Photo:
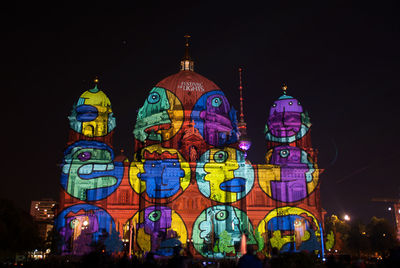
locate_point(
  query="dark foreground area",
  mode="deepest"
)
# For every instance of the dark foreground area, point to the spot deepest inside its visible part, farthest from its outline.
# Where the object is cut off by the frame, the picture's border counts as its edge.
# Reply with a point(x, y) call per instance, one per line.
point(295, 260)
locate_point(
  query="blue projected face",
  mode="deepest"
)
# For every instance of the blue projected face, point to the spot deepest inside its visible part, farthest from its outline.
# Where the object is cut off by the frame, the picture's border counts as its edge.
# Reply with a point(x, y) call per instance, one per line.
point(86, 113)
point(162, 177)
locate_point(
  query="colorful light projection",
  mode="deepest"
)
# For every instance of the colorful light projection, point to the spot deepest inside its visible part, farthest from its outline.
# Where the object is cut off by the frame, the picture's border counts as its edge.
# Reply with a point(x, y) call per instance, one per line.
point(289, 229)
point(156, 229)
point(192, 119)
point(286, 122)
point(160, 118)
point(223, 175)
point(89, 172)
point(162, 175)
point(215, 119)
point(82, 225)
point(218, 231)
point(92, 115)
point(293, 177)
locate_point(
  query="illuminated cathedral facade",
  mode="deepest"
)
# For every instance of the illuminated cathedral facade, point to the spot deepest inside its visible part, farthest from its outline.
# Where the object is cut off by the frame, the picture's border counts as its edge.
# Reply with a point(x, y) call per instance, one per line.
point(189, 183)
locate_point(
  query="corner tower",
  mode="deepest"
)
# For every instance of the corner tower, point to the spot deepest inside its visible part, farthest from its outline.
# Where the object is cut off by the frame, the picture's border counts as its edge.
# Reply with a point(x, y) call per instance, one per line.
point(89, 176)
point(291, 178)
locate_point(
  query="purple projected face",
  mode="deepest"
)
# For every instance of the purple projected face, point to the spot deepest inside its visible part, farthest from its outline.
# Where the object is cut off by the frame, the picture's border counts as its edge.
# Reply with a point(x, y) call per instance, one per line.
point(285, 117)
point(296, 171)
point(80, 227)
point(216, 117)
point(286, 155)
point(157, 221)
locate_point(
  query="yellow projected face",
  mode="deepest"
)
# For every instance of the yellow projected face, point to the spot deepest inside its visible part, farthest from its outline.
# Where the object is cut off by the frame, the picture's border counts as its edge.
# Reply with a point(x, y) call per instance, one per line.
point(223, 175)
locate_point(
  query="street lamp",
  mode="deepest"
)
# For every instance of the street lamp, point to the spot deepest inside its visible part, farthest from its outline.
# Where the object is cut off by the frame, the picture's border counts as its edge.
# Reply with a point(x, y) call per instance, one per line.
point(346, 217)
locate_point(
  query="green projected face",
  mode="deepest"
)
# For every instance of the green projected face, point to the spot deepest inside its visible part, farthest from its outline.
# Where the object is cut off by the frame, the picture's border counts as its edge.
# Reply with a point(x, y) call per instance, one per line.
point(89, 172)
point(219, 230)
point(160, 118)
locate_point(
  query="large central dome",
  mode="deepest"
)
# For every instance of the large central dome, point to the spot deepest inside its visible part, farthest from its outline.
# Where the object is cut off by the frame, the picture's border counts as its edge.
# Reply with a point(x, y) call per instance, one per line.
point(188, 86)
point(180, 99)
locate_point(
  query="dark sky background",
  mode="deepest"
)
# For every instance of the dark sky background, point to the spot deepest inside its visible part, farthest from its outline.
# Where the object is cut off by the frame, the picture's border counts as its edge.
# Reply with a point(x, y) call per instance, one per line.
point(339, 58)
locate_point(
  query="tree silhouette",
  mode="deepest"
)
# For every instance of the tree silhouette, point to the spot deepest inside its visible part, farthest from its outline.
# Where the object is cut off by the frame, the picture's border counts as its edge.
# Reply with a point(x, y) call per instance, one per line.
point(18, 233)
point(382, 235)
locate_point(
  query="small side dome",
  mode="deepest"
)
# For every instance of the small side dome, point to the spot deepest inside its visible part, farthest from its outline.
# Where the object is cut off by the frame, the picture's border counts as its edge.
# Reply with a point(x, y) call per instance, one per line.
point(95, 97)
point(287, 122)
point(92, 115)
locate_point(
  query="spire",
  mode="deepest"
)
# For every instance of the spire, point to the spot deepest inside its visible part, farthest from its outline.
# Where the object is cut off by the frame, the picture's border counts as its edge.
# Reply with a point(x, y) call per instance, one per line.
point(95, 89)
point(244, 141)
point(284, 88)
point(241, 118)
point(187, 56)
point(186, 63)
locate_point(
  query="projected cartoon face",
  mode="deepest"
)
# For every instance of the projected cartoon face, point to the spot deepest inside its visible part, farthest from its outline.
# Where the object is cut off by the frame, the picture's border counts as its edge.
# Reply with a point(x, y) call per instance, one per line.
point(219, 230)
point(296, 177)
point(158, 229)
point(293, 230)
point(80, 226)
point(88, 171)
point(160, 118)
point(214, 119)
point(223, 175)
point(286, 122)
point(92, 116)
point(162, 174)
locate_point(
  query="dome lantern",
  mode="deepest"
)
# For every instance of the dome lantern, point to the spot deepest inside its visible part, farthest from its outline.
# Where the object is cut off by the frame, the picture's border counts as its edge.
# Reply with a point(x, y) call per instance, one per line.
point(186, 63)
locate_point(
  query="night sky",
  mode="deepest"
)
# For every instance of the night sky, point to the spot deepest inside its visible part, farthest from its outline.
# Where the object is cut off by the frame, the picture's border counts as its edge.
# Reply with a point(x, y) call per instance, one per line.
point(340, 59)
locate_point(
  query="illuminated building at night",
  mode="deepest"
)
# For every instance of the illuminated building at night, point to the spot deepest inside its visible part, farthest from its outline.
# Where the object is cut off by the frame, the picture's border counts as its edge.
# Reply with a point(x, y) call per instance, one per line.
point(189, 182)
point(42, 213)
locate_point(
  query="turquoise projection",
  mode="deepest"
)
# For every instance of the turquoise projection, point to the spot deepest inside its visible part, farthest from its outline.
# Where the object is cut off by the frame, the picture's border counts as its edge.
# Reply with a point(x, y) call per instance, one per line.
point(89, 172)
point(219, 230)
point(160, 118)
